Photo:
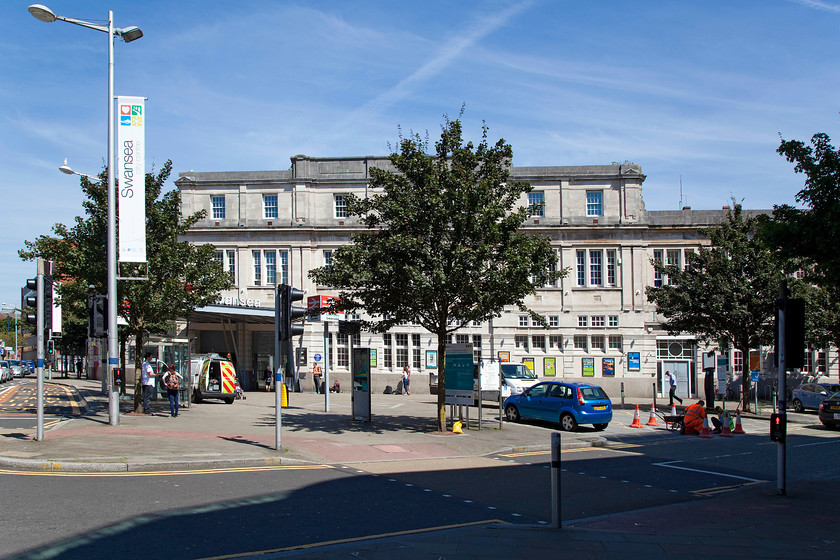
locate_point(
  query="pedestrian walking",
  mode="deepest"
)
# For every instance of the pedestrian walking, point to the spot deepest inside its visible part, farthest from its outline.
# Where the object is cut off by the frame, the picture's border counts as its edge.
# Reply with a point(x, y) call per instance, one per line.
point(147, 381)
point(406, 378)
point(172, 380)
point(316, 376)
point(672, 392)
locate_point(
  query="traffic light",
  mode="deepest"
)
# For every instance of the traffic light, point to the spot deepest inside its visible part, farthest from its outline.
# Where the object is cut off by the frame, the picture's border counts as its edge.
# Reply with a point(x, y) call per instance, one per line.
point(97, 315)
point(50, 347)
point(778, 427)
point(794, 310)
point(286, 312)
point(31, 300)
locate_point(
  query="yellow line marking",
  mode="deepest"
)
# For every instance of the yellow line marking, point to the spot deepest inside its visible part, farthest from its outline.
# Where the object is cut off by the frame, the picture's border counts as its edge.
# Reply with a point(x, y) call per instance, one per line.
point(525, 454)
point(54, 469)
point(713, 491)
point(354, 539)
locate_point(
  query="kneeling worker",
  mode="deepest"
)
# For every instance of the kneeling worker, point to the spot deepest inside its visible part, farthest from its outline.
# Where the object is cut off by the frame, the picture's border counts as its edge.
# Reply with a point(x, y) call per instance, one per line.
point(694, 415)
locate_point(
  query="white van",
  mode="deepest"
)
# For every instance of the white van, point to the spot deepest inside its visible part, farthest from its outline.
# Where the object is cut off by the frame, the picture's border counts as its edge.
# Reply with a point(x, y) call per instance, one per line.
point(213, 377)
point(517, 378)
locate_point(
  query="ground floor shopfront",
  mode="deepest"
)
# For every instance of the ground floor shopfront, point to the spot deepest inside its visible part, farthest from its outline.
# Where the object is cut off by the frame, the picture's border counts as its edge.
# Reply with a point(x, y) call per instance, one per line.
point(637, 370)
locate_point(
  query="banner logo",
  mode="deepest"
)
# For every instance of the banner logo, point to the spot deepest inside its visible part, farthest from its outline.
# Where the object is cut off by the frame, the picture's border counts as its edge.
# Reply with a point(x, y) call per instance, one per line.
point(131, 115)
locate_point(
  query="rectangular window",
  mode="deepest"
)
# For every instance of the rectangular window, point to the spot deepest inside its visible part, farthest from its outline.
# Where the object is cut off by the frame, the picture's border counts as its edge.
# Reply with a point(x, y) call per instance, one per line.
point(402, 357)
point(597, 320)
point(738, 362)
point(594, 203)
point(598, 343)
point(218, 203)
point(523, 320)
point(536, 203)
point(328, 259)
point(674, 259)
point(595, 262)
point(284, 267)
point(231, 263)
point(553, 320)
point(340, 206)
point(657, 275)
point(270, 206)
point(257, 267)
point(270, 268)
point(581, 267)
point(476, 347)
point(615, 342)
point(611, 267)
point(538, 342)
point(521, 342)
point(555, 341)
point(342, 351)
point(220, 257)
point(583, 320)
point(580, 342)
point(613, 320)
point(387, 353)
point(462, 339)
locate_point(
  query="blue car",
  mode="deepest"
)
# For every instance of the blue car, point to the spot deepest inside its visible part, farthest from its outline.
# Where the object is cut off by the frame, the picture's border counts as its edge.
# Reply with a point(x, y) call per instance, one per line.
point(569, 404)
point(810, 395)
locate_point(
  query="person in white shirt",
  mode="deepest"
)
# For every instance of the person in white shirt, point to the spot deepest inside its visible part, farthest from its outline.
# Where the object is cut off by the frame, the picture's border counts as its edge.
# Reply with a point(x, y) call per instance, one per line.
point(672, 393)
point(147, 375)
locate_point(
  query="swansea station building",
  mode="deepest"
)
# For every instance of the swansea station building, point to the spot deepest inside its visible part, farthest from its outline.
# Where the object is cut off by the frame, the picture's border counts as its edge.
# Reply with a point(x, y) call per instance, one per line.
point(273, 227)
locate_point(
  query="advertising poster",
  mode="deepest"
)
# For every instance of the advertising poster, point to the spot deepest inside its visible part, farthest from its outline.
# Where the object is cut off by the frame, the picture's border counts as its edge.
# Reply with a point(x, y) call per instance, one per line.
point(373, 357)
point(431, 359)
point(459, 374)
point(588, 367)
point(550, 367)
point(634, 362)
point(504, 356)
point(529, 363)
point(608, 367)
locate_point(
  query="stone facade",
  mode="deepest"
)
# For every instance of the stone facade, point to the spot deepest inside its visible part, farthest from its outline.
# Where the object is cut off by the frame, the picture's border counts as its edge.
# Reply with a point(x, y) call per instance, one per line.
point(272, 227)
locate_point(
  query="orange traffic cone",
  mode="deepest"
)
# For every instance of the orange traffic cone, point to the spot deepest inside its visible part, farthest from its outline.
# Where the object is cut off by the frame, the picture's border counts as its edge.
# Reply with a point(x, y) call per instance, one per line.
point(636, 422)
point(738, 428)
point(705, 433)
point(673, 413)
point(652, 421)
point(725, 431)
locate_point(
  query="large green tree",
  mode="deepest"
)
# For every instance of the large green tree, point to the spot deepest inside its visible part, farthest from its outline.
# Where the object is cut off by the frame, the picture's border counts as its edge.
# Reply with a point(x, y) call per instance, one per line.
point(725, 295)
point(811, 234)
point(177, 278)
point(444, 246)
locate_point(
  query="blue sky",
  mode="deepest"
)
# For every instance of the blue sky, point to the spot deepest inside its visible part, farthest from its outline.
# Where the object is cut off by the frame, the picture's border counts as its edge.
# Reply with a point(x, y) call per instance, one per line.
point(697, 92)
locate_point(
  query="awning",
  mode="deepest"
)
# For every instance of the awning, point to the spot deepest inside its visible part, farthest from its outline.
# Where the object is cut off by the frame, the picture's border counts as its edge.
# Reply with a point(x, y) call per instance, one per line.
point(219, 313)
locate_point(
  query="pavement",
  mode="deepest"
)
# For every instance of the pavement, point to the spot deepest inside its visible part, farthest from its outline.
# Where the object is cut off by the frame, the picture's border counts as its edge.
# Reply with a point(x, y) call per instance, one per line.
point(753, 521)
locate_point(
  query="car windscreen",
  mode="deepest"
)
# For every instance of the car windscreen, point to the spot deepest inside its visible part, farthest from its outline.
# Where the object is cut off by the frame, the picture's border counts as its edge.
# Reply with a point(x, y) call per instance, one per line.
point(593, 393)
point(516, 371)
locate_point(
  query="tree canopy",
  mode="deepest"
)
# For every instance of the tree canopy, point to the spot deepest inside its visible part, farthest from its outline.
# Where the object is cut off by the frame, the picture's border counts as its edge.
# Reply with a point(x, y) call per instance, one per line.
point(180, 276)
point(443, 246)
point(726, 293)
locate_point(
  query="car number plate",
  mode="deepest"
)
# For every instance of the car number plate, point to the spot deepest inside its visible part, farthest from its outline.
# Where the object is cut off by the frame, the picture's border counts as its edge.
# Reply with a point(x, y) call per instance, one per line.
point(599, 407)
point(837, 415)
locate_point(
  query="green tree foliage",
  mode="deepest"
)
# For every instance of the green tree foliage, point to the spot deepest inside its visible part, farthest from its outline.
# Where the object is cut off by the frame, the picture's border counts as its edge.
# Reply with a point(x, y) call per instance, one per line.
point(444, 246)
point(811, 235)
point(726, 293)
point(180, 276)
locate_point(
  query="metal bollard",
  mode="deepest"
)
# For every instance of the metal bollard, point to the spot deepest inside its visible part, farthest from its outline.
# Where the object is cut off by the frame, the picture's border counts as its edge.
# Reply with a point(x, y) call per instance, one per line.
point(556, 521)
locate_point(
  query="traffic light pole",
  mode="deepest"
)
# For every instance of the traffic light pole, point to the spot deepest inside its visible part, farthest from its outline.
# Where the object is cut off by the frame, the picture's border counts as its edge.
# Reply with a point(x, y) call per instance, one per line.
point(781, 453)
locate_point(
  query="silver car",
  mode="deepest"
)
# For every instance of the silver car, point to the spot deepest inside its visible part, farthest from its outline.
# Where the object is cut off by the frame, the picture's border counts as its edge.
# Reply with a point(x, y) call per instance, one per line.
point(17, 368)
point(5, 371)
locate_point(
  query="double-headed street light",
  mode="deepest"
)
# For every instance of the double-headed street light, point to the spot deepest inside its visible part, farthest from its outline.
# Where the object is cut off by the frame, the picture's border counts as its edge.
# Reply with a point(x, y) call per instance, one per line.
point(128, 34)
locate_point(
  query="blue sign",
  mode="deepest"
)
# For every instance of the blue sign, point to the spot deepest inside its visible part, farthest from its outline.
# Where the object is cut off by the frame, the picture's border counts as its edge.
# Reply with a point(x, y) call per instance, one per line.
point(754, 376)
point(634, 362)
point(317, 357)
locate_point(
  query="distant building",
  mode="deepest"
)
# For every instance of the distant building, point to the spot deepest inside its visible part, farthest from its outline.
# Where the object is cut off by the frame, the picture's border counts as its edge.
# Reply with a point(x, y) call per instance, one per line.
point(272, 227)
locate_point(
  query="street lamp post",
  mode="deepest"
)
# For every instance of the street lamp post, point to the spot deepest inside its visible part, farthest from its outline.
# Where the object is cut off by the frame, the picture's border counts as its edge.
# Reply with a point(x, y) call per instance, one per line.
point(128, 34)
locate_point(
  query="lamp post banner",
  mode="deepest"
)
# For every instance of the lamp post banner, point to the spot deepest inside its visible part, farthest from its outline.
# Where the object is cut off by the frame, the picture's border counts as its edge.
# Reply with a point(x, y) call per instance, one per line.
point(131, 174)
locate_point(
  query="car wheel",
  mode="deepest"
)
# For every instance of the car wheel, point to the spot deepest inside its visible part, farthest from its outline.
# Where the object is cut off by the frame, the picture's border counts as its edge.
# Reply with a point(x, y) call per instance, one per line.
point(797, 405)
point(197, 397)
point(600, 427)
point(568, 422)
point(511, 413)
point(229, 400)
point(829, 426)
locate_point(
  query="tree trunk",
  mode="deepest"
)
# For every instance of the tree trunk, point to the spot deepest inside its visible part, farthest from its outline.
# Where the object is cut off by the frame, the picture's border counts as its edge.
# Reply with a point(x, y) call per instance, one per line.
point(441, 395)
point(138, 362)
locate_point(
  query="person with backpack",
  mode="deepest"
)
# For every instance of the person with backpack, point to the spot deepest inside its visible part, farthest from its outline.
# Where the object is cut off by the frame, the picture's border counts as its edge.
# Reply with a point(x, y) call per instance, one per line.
point(172, 380)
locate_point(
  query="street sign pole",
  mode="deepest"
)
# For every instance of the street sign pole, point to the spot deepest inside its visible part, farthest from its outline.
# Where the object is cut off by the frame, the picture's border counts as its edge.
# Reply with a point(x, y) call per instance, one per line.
point(780, 449)
point(39, 431)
